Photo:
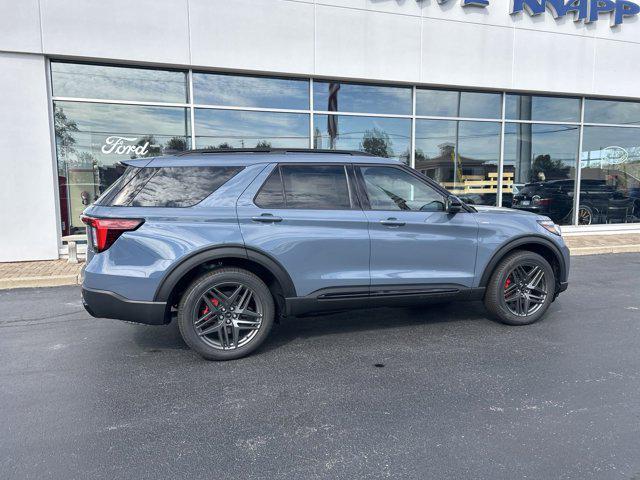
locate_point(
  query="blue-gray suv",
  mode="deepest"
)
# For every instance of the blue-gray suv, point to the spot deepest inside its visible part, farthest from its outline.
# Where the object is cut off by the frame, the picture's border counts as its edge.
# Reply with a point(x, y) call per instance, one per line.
point(231, 241)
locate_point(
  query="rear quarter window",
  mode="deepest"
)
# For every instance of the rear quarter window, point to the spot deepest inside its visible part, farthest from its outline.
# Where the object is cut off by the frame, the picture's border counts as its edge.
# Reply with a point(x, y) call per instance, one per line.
point(171, 186)
point(107, 196)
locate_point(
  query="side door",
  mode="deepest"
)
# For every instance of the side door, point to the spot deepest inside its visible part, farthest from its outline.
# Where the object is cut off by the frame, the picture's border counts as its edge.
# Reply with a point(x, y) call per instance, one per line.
point(414, 240)
point(308, 217)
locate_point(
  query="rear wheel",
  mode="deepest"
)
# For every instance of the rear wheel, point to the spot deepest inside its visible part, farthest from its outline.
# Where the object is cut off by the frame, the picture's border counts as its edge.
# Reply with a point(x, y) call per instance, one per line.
point(226, 314)
point(521, 288)
point(585, 215)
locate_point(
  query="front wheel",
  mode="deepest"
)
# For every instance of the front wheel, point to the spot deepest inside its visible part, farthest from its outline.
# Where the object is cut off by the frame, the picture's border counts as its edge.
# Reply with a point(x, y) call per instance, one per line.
point(226, 314)
point(521, 288)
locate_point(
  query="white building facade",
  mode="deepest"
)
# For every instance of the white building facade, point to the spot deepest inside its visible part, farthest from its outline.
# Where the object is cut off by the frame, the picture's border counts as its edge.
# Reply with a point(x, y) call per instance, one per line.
point(528, 104)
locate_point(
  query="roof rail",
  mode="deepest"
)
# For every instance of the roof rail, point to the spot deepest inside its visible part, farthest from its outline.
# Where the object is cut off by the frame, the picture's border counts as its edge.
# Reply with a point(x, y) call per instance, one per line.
point(272, 150)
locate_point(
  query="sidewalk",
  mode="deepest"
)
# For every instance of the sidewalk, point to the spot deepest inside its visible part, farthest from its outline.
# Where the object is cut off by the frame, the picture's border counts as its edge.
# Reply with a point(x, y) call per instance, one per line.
point(60, 272)
point(581, 244)
point(50, 273)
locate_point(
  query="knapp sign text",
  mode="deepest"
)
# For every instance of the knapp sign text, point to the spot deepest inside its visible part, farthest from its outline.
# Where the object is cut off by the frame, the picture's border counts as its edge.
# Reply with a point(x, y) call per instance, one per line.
point(586, 11)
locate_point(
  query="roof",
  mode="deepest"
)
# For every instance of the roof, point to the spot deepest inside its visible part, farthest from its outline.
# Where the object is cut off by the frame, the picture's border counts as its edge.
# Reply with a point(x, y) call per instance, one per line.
point(255, 156)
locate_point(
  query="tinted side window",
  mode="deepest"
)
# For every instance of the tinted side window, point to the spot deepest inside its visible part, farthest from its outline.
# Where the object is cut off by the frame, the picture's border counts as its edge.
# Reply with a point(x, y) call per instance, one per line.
point(271, 194)
point(316, 187)
point(172, 186)
point(125, 177)
point(132, 187)
point(182, 186)
point(390, 188)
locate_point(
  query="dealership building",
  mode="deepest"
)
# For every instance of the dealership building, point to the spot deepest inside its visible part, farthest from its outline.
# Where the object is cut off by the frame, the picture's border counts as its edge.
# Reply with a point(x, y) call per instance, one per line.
point(527, 104)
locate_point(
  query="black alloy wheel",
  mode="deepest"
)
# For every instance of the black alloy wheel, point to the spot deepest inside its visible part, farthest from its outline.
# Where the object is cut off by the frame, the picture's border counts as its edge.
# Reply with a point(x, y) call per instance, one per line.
point(521, 288)
point(226, 314)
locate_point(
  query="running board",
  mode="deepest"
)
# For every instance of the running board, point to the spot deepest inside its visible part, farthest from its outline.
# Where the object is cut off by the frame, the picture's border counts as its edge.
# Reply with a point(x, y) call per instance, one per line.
point(338, 299)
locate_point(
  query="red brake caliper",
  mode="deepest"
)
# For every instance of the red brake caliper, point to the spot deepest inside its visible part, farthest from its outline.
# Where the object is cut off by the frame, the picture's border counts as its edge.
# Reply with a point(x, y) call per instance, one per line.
point(507, 283)
point(206, 307)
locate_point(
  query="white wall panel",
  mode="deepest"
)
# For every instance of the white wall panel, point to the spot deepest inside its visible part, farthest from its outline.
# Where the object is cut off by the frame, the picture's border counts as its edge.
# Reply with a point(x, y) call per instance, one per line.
point(398, 7)
point(495, 14)
point(20, 26)
point(629, 31)
point(616, 68)
point(252, 34)
point(466, 54)
point(365, 44)
point(28, 219)
point(140, 30)
point(360, 39)
point(552, 62)
point(345, 3)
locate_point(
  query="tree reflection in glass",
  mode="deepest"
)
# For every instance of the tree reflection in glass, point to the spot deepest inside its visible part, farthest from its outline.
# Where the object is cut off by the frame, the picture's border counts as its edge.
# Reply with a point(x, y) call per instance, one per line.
point(385, 137)
point(460, 155)
point(92, 138)
point(223, 129)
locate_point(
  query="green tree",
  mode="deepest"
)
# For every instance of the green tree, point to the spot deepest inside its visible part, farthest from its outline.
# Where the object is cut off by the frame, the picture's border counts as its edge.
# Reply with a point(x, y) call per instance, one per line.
point(64, 129)
point(263, 144)
point(377, 142)
point(176, 144)
point(153, 150)
point(546, 168)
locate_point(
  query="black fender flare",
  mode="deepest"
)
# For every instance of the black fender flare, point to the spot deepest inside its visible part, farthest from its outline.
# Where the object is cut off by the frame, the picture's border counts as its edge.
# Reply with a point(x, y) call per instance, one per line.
point(207, 254)
point(513, 244)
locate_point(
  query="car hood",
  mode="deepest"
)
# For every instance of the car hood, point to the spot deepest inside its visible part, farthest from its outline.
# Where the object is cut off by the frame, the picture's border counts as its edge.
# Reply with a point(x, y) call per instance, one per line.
point(505, 211)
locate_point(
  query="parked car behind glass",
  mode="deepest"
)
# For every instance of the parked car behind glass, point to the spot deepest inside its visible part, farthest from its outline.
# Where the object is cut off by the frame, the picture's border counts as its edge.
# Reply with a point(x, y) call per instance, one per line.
point(599, 202)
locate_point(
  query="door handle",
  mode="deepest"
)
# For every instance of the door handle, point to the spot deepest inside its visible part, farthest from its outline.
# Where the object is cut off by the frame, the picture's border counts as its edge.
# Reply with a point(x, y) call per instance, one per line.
point(392, 222)
point(267, 218)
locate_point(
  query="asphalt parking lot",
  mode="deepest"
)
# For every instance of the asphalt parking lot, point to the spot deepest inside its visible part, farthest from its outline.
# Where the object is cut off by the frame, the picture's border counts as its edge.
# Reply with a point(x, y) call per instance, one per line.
point(438, 392)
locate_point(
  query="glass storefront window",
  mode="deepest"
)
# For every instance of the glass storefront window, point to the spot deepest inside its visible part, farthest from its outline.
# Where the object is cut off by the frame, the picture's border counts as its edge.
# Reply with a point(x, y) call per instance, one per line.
point(237, 129)
point(355, 97)
point(250, 91)
point(455, 103)
point(107, 82)
point(384, 137)
point(462, 156)
point(541, 108)
point(105, 124)
point(611, 111)
point(539, 169)
point(92, 138)
point(610, 175)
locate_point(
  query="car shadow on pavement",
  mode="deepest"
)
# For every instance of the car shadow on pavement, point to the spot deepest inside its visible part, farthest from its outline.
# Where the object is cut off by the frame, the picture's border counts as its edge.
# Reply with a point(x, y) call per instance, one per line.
point(291, 329)
point(162, 337)
point(167, 337)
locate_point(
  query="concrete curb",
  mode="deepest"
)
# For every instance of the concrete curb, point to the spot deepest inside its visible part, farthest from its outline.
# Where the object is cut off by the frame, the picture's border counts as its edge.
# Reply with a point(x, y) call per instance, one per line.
point(34, 282)
point(602, 249)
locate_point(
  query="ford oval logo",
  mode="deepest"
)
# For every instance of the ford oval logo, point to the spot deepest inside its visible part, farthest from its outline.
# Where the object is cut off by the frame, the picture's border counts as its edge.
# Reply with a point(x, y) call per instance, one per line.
point(615, 155)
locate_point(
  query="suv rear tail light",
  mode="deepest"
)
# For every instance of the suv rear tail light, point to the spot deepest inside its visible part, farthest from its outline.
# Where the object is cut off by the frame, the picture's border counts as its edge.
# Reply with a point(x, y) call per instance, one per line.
point(544, 202)
point(105, 231)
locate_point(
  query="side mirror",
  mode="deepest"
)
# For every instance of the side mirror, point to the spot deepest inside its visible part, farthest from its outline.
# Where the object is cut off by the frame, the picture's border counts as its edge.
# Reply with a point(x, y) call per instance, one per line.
point(454, 204)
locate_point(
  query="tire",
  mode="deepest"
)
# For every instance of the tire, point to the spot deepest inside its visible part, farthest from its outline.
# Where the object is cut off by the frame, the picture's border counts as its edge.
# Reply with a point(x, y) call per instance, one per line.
point(585, 215)
point(233, 333)
point(504, 277)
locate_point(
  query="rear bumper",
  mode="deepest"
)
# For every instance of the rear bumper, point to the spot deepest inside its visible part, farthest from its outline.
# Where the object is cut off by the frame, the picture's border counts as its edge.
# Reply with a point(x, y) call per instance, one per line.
point(104, 304)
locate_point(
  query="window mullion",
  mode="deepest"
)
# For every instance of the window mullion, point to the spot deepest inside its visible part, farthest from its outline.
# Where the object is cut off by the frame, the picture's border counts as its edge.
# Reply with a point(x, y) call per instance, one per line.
point(501, 157)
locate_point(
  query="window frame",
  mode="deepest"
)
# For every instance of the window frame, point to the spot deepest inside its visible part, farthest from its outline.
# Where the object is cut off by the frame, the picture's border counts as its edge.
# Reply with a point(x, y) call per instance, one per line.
point(428, 182)
point(354, 199)
point(204, 104)
point(119, 100)
point(533, 96)
point(310, 110)
point(315, 108)
point(459, 92)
